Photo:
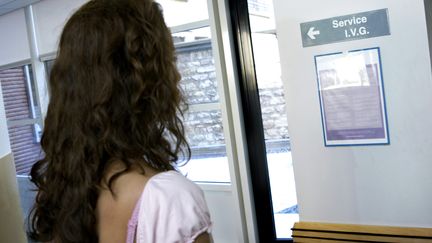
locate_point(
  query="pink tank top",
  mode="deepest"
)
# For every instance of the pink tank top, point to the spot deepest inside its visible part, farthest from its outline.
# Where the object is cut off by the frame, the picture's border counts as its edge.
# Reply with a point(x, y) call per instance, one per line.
point(170, 209)
point(133, 223)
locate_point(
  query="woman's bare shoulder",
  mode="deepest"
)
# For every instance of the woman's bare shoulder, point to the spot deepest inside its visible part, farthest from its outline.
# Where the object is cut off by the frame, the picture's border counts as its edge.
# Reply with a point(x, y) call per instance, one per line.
point(114, 208)
point(127, 188)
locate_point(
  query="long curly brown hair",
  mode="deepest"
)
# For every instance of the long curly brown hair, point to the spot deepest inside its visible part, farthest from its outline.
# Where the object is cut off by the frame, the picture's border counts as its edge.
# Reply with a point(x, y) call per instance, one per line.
point(114, 97)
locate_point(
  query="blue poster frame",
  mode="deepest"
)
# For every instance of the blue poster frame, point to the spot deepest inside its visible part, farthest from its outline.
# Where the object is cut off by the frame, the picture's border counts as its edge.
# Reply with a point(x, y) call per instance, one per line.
point(382, 94)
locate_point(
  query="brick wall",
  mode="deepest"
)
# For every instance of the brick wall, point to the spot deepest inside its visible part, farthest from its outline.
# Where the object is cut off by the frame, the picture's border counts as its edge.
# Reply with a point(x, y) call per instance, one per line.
point(25, 148)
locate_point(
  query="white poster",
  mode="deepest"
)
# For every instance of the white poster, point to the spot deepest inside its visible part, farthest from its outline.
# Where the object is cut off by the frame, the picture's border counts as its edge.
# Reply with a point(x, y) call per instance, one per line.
point(352, 98)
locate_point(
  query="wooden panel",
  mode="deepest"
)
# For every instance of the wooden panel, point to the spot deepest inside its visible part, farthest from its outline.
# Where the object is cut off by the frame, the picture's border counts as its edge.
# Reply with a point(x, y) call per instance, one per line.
point(11, 218)
point(324, 232)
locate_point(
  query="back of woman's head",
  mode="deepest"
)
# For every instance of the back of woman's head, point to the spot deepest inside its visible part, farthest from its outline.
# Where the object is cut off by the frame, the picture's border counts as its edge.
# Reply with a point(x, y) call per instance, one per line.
point(114, 98)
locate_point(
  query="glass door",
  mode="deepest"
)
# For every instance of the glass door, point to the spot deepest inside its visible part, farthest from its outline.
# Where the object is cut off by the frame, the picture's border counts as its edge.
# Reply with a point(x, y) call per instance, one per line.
point(274, 116)
point(266, 124)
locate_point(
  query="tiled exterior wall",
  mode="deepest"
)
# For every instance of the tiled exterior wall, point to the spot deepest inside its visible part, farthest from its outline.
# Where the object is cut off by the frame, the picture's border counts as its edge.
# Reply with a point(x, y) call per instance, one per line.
point(200, 86)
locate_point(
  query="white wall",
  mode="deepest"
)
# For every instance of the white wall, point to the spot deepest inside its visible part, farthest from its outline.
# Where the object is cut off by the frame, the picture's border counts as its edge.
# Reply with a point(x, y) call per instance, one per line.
point(220, 201)
point(7, 6)
point(50, 17)
point(376, 185)
point(4, 136)
point(14, 44)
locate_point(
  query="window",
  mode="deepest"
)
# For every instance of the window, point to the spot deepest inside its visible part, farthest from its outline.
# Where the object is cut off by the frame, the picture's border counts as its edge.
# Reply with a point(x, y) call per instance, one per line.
point(203, 119)
point(23, 116)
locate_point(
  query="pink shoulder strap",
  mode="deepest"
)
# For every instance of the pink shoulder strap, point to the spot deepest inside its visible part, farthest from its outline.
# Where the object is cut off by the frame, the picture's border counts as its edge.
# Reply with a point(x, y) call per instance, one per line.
point(133, 222)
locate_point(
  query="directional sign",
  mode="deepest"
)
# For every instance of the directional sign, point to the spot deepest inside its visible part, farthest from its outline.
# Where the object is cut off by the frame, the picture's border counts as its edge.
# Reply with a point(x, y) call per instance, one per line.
point(345, 28)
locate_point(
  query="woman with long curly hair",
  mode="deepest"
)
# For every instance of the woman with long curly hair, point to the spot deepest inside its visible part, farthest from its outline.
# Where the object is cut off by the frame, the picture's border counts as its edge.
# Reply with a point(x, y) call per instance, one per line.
point(113, 134)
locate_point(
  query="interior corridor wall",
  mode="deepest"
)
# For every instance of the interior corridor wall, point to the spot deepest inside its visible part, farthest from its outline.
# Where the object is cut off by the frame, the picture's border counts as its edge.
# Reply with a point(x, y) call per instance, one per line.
point(50, 16)
point(374, 185)
point(14, 44)
point(5, 148)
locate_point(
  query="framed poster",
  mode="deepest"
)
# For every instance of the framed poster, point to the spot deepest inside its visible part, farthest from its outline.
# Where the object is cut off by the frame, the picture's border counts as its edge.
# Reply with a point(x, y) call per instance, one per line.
point(352, 98)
